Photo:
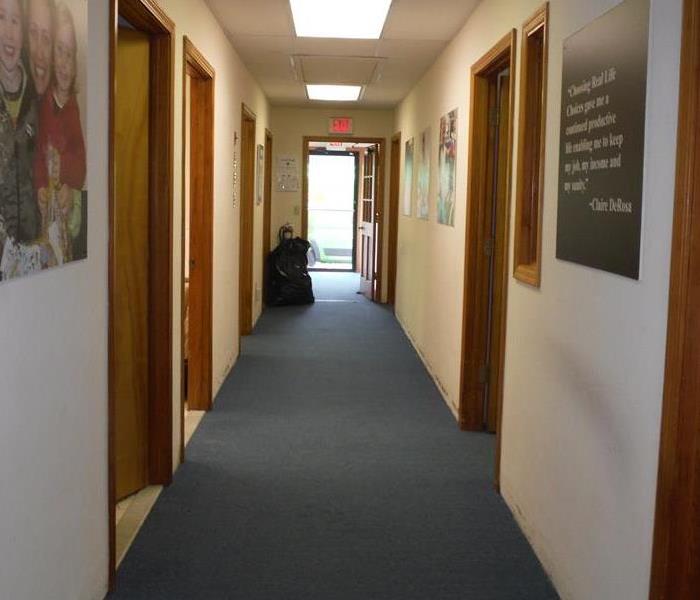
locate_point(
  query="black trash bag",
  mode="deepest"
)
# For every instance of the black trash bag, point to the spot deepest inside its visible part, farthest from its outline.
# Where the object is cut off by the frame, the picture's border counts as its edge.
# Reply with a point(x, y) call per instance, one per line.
point(289, 281)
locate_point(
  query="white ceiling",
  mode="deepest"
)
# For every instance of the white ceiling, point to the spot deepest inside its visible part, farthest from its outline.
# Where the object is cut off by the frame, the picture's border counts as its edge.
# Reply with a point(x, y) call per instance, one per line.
point(416, 31)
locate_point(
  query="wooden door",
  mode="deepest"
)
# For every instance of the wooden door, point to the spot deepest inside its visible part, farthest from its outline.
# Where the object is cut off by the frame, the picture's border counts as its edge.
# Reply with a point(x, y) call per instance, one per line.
point(247, 215)
point(131, 277)
point(368, 222)
point(496, 246)
point(200, 267)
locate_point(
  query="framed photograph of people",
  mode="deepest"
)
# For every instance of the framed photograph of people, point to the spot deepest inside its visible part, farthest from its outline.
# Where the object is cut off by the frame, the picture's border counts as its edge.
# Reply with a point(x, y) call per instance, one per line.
point(43, 172)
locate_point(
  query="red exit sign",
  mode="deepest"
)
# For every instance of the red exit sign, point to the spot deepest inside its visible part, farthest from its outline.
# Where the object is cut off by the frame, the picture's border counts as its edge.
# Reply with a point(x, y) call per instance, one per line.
point(340, 125)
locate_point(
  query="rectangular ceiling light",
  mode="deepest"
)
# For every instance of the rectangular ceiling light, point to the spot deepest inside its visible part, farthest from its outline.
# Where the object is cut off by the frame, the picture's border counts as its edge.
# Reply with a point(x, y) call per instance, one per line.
point(354, 19)
point(333, 92)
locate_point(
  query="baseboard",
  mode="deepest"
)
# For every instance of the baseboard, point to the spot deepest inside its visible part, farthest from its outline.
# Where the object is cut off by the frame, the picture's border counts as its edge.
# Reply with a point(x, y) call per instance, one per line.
point(428, 367)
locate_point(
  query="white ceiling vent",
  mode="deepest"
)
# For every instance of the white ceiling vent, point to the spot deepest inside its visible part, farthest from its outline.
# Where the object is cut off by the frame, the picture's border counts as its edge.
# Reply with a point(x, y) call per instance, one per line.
point(338, 70)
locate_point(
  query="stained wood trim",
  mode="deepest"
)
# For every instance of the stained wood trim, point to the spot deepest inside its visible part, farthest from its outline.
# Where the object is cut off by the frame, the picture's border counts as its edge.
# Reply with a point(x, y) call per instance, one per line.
point(378, 205)
point(195, 60)
point(111, 285)
point(379, 223)
point(471, 405)
point(527, 263)
point(675, 573)
point(393, 225)
point(267, 206)
point(247, 112)
point(196, 66)
point(146, 16)
point(247, 221)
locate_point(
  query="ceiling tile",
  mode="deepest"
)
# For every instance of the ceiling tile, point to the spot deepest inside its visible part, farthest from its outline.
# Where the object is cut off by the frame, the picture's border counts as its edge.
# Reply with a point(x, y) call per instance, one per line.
point(268, 17)
point(427, 20)
point(328, 69)
point(416, 32)
point(335, 47)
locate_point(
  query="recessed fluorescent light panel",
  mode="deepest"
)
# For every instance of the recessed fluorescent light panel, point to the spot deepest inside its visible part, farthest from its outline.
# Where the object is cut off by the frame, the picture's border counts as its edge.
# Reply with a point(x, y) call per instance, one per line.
point(333, 92)
point(353, 19)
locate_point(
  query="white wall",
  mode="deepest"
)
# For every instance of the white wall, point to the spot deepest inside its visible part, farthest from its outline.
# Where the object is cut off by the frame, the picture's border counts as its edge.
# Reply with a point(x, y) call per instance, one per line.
point(290, 125)
point(585, 353)
point(53, 369)
point(234, 85)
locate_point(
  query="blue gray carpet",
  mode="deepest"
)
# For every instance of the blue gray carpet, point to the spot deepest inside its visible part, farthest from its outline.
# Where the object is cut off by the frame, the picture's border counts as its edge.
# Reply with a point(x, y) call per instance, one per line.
point(331, 469)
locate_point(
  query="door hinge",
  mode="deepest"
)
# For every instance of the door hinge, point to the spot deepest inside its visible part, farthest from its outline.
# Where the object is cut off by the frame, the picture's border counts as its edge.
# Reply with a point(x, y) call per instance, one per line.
point(489, 245)
point(484, 374)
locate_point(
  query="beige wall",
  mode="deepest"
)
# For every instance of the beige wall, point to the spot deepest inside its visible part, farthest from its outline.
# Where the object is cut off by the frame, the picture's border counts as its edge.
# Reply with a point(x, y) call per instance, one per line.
point(234, 85)
point(53, 355)
point(290, 125)
point(585, 353)
point(53, 394)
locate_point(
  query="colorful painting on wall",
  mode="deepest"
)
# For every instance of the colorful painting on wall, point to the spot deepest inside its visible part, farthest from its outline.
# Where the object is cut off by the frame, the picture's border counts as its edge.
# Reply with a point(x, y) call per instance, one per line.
point(408, 179)
point(423, 187)
point(447, 168)
point(43, 106)
point(260, 175)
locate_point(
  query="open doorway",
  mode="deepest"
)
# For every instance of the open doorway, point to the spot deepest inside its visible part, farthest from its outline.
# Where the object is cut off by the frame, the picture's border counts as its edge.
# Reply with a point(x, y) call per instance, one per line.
point(197, 239)
point(341, 211)
point(140, 264)
point(486, 257)
point(332, 207)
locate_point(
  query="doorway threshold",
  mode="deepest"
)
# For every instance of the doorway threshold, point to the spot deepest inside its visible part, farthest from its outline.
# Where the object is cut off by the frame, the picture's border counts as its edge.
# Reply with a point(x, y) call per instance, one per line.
point(131, 512)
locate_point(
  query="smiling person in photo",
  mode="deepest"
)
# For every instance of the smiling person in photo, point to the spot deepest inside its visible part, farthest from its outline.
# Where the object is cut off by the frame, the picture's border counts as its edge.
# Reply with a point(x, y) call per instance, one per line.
point(40, 18)
point(59, 166)
point(18, 128)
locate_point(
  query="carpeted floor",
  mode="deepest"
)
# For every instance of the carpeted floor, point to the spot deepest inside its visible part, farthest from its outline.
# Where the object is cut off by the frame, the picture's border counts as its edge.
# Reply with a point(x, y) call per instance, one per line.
point(331, 469)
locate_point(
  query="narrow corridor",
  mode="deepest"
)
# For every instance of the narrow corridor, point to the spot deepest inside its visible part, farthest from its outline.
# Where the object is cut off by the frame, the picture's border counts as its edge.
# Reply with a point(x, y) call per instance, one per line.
point(330, 468)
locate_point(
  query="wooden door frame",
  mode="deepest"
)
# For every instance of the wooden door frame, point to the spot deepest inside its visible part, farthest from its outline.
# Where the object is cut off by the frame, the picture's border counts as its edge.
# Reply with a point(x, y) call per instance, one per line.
point(148, 17)
point(378, 207)
point(393, 220)
point(267, 206)
point(247, 229)
point(470, 402)
point(194, 61)
point(674, 572)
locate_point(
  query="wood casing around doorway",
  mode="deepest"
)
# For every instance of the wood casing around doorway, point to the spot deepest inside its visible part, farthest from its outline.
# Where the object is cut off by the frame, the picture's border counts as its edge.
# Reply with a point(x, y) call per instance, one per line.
point(378, 206)
point(502, 55)
point(146, 16)
point(675, 573)
point(393, 220)
point(198, 132)
point(247, 203)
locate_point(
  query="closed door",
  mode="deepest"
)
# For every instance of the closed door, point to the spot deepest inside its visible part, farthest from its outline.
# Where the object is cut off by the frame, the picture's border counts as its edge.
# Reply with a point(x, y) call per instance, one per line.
point(131, 246)
point(367, 228)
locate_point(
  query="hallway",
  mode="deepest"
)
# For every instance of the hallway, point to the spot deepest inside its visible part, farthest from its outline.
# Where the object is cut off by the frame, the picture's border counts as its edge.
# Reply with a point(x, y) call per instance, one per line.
point(330, 468)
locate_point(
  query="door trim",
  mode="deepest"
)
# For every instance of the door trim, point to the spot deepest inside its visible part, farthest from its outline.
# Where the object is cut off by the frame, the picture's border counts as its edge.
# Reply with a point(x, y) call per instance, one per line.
point(267, 207)
point(393, 219)
point(378, 206)
point(470, 404)
point(147, 16)
point(674, 572)
point(193, 59)
point(247, 227)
